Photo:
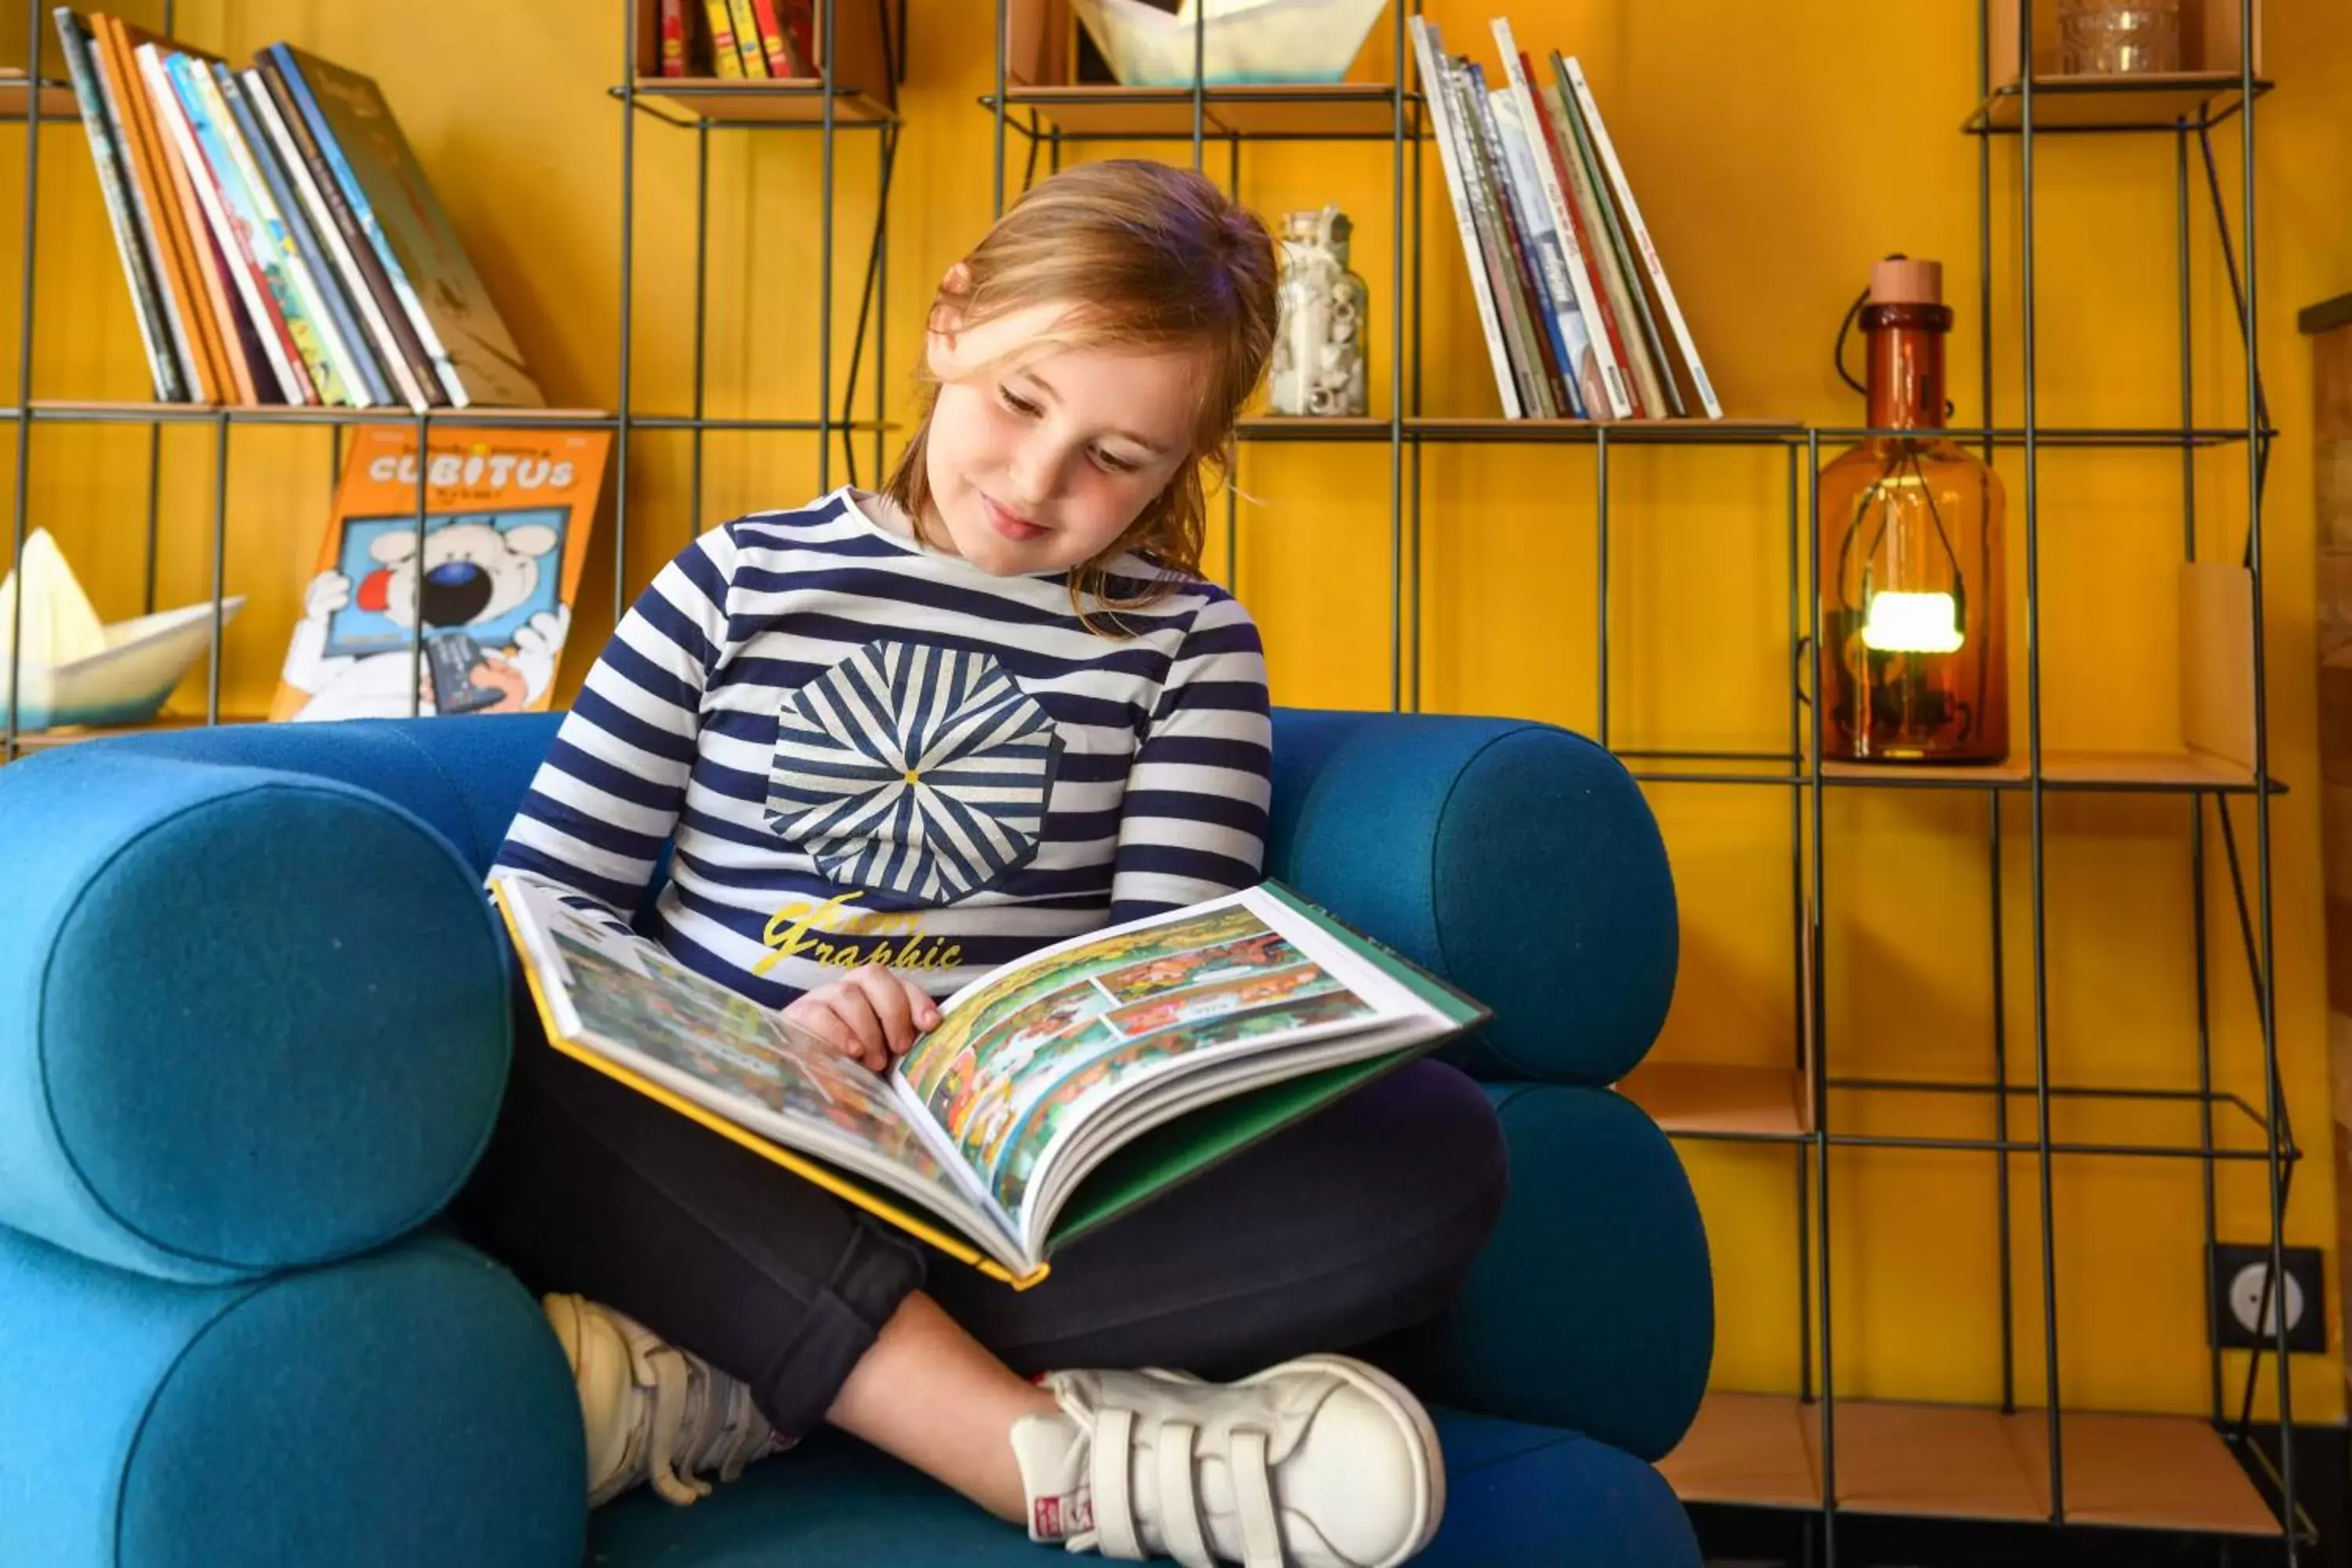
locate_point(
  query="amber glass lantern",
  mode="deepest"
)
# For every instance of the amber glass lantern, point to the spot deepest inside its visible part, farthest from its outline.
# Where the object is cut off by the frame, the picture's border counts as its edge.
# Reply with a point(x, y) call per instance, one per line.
point(1911, 663)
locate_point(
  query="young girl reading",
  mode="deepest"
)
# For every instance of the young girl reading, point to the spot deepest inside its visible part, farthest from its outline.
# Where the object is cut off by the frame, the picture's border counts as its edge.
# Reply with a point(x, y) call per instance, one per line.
point(1033, 561)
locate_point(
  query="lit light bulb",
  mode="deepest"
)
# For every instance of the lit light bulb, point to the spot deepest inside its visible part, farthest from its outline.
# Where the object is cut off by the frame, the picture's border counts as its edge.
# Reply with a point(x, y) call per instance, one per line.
point(1911, 622)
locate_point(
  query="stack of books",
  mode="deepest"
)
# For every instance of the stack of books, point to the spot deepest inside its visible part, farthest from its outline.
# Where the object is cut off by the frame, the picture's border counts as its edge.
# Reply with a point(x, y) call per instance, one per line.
point(280, 243)
point(743, 38)
point(1581, 321)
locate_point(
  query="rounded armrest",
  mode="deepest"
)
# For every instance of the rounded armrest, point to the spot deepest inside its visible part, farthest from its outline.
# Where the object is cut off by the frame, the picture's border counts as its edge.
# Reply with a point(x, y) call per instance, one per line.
point(1593, 1306)
point(248, 1020)
point(405, 1407)
point(1516, 860)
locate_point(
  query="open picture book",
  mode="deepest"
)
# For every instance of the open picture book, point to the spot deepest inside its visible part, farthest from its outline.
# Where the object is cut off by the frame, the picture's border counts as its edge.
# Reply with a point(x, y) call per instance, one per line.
point(1056, 1092)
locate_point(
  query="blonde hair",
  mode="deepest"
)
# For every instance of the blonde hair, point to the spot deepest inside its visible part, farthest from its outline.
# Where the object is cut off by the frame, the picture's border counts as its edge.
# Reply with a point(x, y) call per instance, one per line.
point(1149, 258)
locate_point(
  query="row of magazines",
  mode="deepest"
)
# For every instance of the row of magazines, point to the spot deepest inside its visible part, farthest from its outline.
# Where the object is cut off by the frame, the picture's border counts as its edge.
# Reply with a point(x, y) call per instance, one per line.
point(1579, 320)
point(281, 242)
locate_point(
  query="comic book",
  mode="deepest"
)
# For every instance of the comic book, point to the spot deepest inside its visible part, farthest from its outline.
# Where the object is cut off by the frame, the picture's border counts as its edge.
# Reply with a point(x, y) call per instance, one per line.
point(470, 617)
point(1056, 1093)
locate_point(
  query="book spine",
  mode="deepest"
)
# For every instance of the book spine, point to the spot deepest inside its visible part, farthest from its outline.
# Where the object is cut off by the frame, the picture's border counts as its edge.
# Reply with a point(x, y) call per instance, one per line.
point(363, 211)
point(1583, 280)
point(247, 199)
point(1556, 397)
point(1493, 246)
point(150, 210)
point(745, 28)
point(726, 60)
point(314, 236)
point(296, 256)
point(221, 372)
point(673, 38)
point(1662, 388)
point(163, 366)
point(403, 353)
point(1604, 284)
point(774, 46)
point(227, 252)
point(1553, 307)
point(1573, 75)
point(1427, 48)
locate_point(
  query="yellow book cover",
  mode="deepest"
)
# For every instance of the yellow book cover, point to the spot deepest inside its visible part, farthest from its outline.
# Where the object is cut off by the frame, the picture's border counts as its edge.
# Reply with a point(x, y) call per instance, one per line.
point(745, 28)
point(726, 59)
point(483, 606)
point(1056, 1092)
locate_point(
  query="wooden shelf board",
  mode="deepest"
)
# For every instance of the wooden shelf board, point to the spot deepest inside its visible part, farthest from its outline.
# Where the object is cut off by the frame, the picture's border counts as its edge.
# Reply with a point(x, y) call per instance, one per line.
point(2065, 770)
point(133, 412)
point(1569, 432)
point(1697, 1097)
point(1339, 111)
point(2087, 103)
point(57, 102)
point(2154, 1472)
point(726, 101)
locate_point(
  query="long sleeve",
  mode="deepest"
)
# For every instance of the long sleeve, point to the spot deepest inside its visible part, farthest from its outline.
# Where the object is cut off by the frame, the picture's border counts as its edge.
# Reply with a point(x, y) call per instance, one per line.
point(1193, 825)
point(604, 804)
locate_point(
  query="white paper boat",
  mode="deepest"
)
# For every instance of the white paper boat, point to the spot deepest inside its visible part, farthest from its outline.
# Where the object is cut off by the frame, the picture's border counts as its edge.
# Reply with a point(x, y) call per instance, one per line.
point(1243, 41)
point(72, 670)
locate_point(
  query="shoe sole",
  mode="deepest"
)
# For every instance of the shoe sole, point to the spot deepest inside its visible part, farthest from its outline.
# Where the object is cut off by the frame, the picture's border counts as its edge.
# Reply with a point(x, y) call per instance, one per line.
point(1429, 1460)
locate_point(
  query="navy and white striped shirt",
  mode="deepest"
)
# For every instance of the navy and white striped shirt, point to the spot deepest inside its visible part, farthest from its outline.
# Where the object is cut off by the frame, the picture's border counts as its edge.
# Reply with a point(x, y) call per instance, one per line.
point(867, 749)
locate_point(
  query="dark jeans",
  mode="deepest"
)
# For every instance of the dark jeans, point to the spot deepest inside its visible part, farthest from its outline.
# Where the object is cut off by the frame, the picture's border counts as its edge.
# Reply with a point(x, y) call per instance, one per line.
point(1358, 1221)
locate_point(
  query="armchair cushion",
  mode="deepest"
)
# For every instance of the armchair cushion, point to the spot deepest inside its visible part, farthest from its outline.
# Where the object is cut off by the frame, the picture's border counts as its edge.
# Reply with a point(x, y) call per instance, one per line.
point(1515, 1494)
point(248, 1020)
point(405, 1407)
point(1592, 1305)
point(1517, 859)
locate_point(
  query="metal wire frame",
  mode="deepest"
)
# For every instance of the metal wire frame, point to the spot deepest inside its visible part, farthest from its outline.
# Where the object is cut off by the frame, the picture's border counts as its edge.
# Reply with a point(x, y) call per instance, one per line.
point(828, 128)
point(1406, 431)
point(24, 413)
point(1800, 768)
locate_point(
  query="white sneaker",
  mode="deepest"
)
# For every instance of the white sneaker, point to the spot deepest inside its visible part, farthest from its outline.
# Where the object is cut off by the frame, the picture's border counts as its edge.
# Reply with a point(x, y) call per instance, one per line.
point(653, 1411)
point(1322, 1462)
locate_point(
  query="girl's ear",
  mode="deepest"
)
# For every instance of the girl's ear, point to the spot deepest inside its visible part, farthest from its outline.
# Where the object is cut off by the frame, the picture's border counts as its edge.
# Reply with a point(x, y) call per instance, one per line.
point(946, 322)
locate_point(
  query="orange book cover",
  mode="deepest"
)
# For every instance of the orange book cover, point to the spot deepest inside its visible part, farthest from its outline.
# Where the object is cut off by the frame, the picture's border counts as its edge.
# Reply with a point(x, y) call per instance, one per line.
point(154, 168)
point(241, 350)
point(484, 607)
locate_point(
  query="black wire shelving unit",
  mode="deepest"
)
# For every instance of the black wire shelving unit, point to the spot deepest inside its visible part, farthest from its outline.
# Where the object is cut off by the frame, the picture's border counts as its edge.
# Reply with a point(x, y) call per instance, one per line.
point(830, 110)
point(1820, 1451)
point(1824, 1456)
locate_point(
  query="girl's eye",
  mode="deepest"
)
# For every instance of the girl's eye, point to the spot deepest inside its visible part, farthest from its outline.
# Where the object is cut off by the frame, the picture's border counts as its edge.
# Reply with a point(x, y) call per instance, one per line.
point(1018, 404)
point(1115, 464)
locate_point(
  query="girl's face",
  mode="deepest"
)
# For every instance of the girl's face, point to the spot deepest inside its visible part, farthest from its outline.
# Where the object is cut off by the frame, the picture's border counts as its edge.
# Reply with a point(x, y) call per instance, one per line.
point(1042, 467)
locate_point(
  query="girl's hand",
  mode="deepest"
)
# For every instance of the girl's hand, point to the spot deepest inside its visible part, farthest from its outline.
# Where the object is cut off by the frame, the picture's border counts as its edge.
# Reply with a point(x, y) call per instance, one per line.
point(870, 1014)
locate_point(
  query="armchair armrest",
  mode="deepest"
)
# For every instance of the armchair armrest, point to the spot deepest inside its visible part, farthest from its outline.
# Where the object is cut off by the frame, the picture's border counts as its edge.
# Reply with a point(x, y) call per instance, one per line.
point(253, 1020)
point(1592, 1305)
point(1517, 859)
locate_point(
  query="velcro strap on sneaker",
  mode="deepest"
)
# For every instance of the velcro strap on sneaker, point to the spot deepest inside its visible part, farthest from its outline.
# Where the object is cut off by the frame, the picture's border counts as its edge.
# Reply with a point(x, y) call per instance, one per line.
point(1109, 1462)
point(1180, 1504)
point(1254, 1501)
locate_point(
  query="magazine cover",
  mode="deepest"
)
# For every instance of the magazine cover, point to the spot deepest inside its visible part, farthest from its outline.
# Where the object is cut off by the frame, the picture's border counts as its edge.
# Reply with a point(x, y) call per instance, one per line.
point(1126, 1059)
point(508, 516)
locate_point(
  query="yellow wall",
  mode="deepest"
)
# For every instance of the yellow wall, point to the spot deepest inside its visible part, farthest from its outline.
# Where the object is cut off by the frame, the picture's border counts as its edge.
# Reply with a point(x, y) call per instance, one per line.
point(1777, 150)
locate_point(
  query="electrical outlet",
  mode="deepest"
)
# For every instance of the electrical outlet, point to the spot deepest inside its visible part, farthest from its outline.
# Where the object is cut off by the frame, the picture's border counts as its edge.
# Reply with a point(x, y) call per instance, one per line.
point(2235, 1317)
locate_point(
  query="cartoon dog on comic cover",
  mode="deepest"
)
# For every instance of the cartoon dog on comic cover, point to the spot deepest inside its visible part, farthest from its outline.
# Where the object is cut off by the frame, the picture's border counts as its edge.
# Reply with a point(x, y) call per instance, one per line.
point(472, 573)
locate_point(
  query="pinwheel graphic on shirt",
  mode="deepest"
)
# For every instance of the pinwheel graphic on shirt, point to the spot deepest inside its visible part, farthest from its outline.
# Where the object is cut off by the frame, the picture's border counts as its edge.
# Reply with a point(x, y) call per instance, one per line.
point(921, 771)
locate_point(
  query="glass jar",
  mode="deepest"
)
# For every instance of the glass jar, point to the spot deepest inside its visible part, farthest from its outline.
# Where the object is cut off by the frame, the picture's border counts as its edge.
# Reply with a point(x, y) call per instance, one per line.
point(2118, 37)
point(1911, 666)
point(1319, 349)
